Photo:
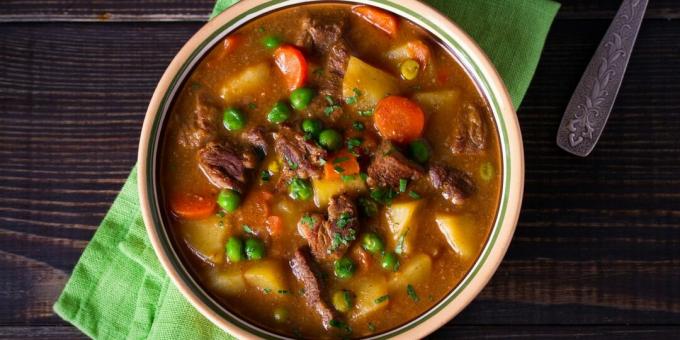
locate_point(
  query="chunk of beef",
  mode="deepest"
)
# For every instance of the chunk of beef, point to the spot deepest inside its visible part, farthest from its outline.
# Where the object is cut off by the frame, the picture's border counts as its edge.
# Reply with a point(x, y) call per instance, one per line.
point(225, 166)
point(203, 122)
point(306, 272)
point(469, 136)
point(330, 238)
point(256, 138)
point(330, 83)
point(302, 158)
point(455, 185)
point(319, 34)
point(389, 165)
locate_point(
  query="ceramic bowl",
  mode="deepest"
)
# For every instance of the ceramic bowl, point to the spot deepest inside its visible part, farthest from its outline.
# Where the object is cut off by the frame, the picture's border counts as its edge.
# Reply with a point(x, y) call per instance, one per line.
point(468, 54)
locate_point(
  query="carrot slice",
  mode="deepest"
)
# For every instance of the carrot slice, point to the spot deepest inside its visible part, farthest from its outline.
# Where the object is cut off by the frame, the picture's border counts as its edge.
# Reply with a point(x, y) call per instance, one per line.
point(192, 206)
point(228, 45)
point(343, 164)
point(418, 50)
point(274, 225)
point(383, 20)
point(399, 119)
point(292, 64)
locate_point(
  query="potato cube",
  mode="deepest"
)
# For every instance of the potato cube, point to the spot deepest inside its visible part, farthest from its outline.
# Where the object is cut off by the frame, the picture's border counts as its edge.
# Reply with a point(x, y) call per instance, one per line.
point(457, 229)
point(399, 219)
point(415, 270)
point(266, 275)
point(247, 83)
point(228, 282)
point(371, 296)
point(205, 238)
point(325, 189)
point(367, 84)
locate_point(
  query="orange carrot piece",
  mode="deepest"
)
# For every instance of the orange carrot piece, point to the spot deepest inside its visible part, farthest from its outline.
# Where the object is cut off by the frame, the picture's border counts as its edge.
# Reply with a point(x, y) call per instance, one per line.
point(274, 225)
point(192, 206)
point(399, 119)
point(418, 50)
point(293, 65)
point(344, 163)
point(385, 21)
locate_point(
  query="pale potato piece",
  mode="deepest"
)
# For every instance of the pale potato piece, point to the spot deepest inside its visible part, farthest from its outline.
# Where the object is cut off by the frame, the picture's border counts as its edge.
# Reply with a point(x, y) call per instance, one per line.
point(325, 189)
point(249, 82)
point(415, 270)
point(205, 238)
point(457, 229)
point(227, 282)
point(439, 103)
point(370, 293)
point(373, 84)
point(266, 275)
point(399, 219)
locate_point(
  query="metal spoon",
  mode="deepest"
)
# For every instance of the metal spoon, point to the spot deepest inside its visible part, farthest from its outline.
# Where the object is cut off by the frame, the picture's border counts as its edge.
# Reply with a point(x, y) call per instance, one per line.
point(592, 101)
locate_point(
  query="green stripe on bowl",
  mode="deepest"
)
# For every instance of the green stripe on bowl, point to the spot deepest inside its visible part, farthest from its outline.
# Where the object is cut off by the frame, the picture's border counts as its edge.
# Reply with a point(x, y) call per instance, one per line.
point(151, 175)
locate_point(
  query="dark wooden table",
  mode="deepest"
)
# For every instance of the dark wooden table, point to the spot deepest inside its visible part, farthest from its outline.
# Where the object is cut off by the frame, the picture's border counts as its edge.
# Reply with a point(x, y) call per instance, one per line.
point(597, 250)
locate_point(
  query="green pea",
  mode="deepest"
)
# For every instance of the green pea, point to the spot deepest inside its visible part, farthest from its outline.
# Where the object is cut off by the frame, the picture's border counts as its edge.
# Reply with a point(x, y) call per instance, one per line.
point(486, 171)
point(233, 119)
point(312, 127)
point(344, 268)
point(390, 262)
point(271, 42)
point(229, 200)
point(419, 150)
point(254, 249)
point(330, 139)
point(300, 189)
point(301, 97)
point(234, 249)
point(372, 243)
point(280, 314)
point(279, 113)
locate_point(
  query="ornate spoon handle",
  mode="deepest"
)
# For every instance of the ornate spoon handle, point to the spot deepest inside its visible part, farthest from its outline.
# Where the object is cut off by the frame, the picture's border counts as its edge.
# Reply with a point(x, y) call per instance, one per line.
point(592, 101)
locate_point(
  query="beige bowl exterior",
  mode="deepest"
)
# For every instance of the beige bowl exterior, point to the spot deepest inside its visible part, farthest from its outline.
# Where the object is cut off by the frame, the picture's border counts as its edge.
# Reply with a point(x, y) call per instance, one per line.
point(470, 56)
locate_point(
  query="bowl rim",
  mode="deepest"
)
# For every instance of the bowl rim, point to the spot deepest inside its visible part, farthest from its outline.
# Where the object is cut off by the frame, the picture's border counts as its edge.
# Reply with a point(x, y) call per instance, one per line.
point(476, 63)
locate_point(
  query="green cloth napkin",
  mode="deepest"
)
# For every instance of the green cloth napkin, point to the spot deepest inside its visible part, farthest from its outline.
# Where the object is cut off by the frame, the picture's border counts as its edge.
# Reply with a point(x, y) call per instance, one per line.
point(118, 288)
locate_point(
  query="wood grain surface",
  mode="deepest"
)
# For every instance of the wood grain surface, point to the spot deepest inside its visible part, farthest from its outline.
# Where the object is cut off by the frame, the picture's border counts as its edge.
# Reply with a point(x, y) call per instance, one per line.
point(597, 250)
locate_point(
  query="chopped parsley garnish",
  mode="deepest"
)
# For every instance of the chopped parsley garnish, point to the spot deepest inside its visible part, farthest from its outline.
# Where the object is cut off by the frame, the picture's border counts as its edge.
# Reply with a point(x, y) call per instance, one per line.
point(366, 113)
point(369, 207)
point(265, 175)
point(343, 220)
point(352, 144)
point(381, 299)
point(359, 126)
point(347, 178)
point(309, 220)
point(340, 160)
point(403, 182)
point(332, 106)
point(339, 240)
point(364, 176)
point(248, 229)
point(267, 290)
point(283, 291)
point(291, 165)
point(220, 213)
point(414, 195)
point(353, 100)
point(261, 29)
point(340, 325)
point(412, 293)
point(383, 195)
point(338, 169)
point(318, 72)
point(399, 249)
point(371, 327)
point(252, 106)
point(220, 224)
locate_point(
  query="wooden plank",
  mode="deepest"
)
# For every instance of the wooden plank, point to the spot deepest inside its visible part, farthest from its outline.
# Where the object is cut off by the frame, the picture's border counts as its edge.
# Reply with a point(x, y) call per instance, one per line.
point(198, 10)
point(73, 95)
